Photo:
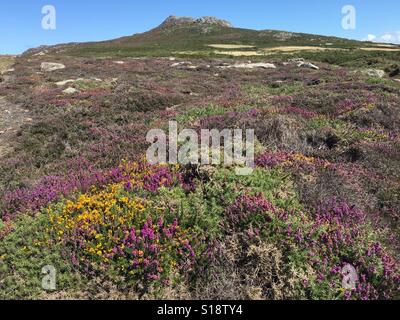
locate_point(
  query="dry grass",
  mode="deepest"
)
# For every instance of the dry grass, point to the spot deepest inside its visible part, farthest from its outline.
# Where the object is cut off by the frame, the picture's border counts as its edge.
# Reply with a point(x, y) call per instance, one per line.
point(190, 53)
point(230, 46)
point(232, 50)
point(240, 53)
point(381, 49)
point(250, 272)
point(298, 48)
point(387, 45)
point(267, 51)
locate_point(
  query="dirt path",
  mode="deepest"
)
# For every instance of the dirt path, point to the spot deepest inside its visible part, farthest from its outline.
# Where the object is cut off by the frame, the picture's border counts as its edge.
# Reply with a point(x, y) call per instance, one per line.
point(12, 117)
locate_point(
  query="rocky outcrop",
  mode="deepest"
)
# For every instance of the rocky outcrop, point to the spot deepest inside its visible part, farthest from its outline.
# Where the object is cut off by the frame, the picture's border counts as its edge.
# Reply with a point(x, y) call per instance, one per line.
point(302, 63)
point(173, 21)
point(64, 82)
point(308, 65)
point(70, 90)
point(214, 21)
point(374, 73)
point(51, 66)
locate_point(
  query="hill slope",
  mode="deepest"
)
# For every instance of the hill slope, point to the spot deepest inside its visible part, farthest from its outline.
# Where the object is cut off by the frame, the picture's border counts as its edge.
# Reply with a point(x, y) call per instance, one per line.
point(187, 35)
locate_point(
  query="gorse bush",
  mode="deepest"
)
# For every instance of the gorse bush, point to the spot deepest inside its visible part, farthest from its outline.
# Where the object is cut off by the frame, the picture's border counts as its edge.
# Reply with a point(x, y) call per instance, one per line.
point(113, 227)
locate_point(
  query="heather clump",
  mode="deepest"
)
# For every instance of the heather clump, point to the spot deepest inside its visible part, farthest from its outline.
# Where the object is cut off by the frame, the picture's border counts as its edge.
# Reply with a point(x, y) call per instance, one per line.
point(314, 250)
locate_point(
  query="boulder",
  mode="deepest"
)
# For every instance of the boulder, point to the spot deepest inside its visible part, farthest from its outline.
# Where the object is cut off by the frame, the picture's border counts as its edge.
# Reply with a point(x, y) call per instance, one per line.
point(41, 53)
point(182, 63)
point(256, 65)
point(64, 82)
point(375, 73)
point(70, 90)
point(308, 65)
point(8, 71)
point(301, 63)
point(51, 66)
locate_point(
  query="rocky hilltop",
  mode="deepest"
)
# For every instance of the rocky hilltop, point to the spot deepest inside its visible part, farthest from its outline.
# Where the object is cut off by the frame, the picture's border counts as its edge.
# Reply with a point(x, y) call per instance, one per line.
point(174, 21)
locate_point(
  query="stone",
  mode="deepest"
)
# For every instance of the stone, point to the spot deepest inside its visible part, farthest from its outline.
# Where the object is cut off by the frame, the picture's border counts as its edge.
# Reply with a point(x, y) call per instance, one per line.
point(8, 71)
point(214, 21)
point(51, 66)
point(64, 82)
point(70, 90)
point(375, 73)
point(308, 65)
point(182, 63)
point(174, 21)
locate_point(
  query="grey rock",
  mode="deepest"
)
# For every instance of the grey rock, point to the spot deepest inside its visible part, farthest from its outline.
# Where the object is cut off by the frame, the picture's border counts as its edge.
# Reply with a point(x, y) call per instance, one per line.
point(174, 21)
point(51, 66)
point(64, 82)
point(214, 21)
point(308, 65)
point(70, 90)
point(375, 73)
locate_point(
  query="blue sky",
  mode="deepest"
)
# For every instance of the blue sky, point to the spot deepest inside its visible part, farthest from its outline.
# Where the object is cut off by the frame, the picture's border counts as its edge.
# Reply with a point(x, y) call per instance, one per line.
point(91, 20)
